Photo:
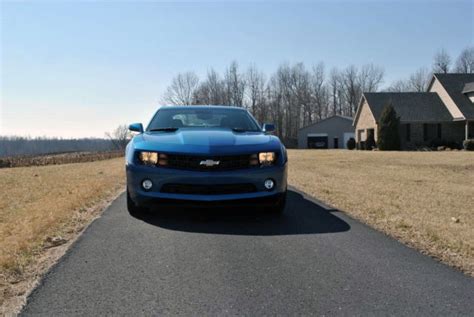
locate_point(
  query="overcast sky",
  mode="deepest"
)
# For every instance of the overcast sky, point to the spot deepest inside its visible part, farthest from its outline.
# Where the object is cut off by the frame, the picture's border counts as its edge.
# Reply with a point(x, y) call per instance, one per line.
point(77, 69)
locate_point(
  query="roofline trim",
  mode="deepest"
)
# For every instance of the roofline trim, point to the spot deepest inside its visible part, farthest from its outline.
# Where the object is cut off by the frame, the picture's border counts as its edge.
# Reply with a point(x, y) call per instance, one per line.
point(431, 83)
point(359, 109)
point(333, 116)
point(203, 106)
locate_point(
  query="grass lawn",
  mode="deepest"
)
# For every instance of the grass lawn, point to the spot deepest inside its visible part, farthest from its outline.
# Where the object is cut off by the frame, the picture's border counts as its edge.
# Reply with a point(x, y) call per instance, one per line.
point(44, 206)
point(424, 199)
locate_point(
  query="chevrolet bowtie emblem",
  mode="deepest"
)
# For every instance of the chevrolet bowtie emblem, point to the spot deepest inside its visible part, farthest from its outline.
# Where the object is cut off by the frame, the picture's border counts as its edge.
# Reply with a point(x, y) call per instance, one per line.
point(209, 163)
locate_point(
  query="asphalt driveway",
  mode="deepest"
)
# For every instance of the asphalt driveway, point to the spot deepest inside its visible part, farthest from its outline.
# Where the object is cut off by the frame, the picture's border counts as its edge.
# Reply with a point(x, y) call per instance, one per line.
point(239, 262)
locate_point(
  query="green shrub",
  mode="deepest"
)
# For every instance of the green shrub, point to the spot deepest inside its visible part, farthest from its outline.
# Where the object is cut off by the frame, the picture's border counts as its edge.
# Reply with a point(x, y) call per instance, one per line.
point(388, 136)
point(469, 145)
point(351, 144)
point(436, 143)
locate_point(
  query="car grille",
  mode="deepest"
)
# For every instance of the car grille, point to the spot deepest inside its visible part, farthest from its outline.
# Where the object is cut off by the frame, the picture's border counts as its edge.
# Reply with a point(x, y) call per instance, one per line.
point(191, 162)
point(215, 189)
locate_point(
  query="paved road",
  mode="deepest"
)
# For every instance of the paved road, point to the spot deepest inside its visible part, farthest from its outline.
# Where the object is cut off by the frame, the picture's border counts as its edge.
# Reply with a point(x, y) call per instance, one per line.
point(307, 262)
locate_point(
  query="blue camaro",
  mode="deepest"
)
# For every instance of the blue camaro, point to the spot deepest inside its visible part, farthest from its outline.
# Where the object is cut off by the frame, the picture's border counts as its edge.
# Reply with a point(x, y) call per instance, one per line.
point(205, 155)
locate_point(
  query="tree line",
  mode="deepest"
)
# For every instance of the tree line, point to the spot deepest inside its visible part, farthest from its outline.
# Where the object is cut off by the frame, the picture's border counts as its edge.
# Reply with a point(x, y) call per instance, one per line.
point(296, 95)
point(15, 145)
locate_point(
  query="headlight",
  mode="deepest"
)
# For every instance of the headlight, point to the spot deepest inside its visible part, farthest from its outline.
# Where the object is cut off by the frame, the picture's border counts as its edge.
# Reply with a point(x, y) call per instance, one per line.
point(266, 158)
point(148, 158)
point(153, 158)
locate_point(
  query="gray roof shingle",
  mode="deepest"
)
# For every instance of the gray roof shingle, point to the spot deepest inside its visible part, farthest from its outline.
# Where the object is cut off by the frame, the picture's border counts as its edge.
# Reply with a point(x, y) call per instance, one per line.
point(455, 84)
point(410, 106)
point(328, 118)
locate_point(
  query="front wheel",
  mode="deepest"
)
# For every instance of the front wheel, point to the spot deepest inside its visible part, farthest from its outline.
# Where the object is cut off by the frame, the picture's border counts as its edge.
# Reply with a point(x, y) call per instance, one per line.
point(133, 208)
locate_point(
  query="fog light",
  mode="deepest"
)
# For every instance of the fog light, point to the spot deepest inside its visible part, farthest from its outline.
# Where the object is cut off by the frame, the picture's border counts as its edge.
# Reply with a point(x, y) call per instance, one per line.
point(147, 184)
point(269, 184)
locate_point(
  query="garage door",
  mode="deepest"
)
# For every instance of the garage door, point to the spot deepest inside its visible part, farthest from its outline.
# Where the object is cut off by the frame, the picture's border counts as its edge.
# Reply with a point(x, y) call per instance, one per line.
point(317, 142)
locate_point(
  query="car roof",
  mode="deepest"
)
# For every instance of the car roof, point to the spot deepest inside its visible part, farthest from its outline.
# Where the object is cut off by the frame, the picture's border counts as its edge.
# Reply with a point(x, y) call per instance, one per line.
point(204, 107)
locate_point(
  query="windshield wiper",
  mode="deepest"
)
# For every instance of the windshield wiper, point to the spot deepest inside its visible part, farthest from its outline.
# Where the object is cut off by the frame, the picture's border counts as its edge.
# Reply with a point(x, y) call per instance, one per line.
point(168, 129)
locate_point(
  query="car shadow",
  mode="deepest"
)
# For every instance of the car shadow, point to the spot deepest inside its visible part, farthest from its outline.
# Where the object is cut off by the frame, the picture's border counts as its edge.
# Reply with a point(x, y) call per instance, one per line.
point(301, 216)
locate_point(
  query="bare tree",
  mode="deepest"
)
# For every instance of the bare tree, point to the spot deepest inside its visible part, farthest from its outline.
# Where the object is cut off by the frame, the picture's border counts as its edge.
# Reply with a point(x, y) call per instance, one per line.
point(465, 61)
point(370, 78)
point(441, 62)
point(202, 94)
point(211, 91)
point(278, 95)
point(182, 89)
point(336, 91)
point(352, 90)
point(300, 102)
point(216, 88)
point(353, 83)
point(400, 86)
point(119, 137)
point(256, 92)
point(319, 94)
point(417, 82)
point(420, 80)
point(234, 85)
point(284, 85)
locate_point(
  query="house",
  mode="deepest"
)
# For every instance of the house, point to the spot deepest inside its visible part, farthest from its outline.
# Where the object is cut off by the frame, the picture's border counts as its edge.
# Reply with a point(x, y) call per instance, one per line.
point(443, 114)
point(329, 133)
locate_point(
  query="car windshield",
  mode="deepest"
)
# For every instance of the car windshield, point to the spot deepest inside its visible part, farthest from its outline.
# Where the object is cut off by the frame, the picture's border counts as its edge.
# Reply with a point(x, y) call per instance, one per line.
point(175, 118)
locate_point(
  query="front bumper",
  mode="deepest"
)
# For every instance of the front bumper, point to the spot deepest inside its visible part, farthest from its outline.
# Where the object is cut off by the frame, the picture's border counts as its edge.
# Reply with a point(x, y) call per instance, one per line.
point(160, 176)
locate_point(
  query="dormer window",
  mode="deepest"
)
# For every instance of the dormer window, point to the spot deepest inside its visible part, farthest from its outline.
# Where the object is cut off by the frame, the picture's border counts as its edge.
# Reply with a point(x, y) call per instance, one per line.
point(468, 91)
point(470, 96)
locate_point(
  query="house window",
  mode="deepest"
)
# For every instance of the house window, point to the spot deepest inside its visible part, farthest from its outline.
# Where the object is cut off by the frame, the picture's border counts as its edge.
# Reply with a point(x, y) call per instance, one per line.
point(439, 130)
point(408, 132)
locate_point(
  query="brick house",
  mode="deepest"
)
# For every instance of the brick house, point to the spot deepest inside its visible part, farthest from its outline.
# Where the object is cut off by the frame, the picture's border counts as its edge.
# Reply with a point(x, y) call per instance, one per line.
point(444, 113)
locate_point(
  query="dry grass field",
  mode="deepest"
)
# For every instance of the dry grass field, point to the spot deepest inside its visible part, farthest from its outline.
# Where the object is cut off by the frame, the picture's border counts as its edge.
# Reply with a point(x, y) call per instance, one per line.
point(57, 158)
point(424, 199)
point(46, 206)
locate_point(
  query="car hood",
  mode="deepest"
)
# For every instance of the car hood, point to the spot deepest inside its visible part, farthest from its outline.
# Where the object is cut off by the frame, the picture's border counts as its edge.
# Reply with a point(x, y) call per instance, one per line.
point(206, 141)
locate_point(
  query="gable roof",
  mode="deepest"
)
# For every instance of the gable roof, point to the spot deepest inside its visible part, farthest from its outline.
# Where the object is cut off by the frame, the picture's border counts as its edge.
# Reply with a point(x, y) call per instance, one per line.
point(328, 118)
point(455, 85)
point(410, 106)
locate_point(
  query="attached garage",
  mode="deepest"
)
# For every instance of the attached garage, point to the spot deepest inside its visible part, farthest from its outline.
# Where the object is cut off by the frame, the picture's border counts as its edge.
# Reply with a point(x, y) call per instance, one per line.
point(330, 133)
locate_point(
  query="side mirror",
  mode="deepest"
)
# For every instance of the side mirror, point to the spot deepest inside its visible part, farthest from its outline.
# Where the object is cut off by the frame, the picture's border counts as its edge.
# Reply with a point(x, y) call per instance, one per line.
point(136, 127)
point(268, 127)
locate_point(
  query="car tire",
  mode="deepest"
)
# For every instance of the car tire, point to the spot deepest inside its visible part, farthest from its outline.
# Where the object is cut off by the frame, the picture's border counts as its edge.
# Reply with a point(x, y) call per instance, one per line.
point(133, 208)
point(280, 206)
